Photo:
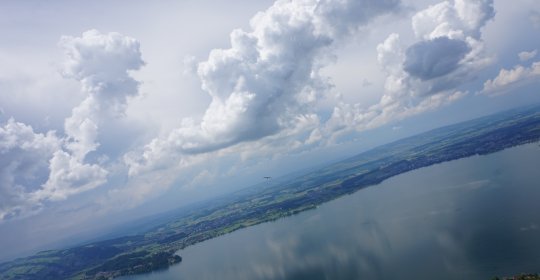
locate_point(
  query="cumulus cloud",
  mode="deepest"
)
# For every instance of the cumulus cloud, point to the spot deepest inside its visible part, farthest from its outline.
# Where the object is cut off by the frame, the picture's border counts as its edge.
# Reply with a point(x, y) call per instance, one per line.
point(34, 168)
point(37, 167)
point(101, 62)
point(69, 176)
point(434, 58)
point(269, 74)
point(454, 19)
point(524, 56)
point(428, 73)
point(390, 56)
point(347, 117)
point(513, 77)
point(24, 162)
point(450, 46)
point(82, 129)
point(450, 34)
point(268, 79)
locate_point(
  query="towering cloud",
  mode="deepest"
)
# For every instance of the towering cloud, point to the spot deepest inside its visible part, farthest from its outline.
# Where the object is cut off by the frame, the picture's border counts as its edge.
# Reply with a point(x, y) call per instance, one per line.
point(37, 167)
point(101, 62)
point(265, 82)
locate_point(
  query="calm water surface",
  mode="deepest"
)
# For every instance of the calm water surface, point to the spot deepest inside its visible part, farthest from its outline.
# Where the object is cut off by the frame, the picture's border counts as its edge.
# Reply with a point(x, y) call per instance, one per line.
point(473, 218)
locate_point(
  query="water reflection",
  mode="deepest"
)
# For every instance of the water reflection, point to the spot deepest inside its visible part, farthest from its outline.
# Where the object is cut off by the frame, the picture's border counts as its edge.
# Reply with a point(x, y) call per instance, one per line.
point(467, 219)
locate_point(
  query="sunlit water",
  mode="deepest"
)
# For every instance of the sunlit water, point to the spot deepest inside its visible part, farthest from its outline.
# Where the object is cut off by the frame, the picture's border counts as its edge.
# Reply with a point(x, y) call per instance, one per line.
point(473, 218)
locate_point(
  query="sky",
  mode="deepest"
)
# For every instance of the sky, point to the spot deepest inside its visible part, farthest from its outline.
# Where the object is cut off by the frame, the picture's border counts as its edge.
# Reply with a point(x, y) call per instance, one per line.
point(111, 111)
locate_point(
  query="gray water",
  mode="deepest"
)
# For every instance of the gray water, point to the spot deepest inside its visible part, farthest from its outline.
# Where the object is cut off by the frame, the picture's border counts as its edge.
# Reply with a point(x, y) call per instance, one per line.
point(472, 218)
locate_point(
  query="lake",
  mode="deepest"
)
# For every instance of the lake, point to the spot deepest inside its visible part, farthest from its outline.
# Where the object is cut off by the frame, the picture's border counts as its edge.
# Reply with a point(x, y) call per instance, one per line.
point(472, 218)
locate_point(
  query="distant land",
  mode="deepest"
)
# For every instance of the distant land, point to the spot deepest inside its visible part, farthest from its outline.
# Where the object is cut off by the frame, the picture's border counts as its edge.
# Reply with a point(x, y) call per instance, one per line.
point(520, 277)
point(153, 249)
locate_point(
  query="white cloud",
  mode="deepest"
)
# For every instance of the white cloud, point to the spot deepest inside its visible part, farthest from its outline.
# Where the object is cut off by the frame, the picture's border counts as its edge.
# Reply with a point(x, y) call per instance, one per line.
point(270, 76)
point(346, 117)
point(524, 56)
point(390, 56)
point(34, 168)
point(42, 167)
point(69, 176)
point(24, 162)
point(513, 77)
point(450, 49)
point(454, 27)
point(82, 129)
point(426, 74)
point(454, 19)
point(264, 90)
point(267, 80)
point(101, 62)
